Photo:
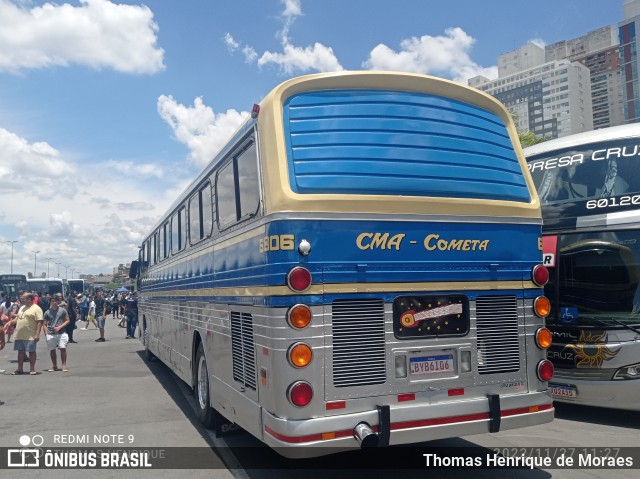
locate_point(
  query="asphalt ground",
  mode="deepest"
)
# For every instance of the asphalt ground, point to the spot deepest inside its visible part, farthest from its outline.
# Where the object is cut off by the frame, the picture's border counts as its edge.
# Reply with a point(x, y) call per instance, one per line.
point(111, 396)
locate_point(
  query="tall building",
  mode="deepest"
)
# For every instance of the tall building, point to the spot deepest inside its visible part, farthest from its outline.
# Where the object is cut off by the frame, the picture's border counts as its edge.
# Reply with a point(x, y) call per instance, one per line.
point(629, 46)
point(551, 99)
point(598, 51)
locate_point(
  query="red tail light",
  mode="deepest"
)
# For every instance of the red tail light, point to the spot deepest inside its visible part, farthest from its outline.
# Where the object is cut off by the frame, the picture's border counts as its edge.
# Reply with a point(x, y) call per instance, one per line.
point(540, 275)
point(300, 393)
point(545, 370)
point(299, 279)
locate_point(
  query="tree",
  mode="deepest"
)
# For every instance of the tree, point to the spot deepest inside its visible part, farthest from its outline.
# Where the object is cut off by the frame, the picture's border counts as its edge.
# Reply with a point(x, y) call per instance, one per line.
point(527, 137)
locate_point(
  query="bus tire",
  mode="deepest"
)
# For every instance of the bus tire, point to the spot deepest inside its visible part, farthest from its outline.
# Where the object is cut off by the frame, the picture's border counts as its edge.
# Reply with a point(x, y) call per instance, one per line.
point(201, 390)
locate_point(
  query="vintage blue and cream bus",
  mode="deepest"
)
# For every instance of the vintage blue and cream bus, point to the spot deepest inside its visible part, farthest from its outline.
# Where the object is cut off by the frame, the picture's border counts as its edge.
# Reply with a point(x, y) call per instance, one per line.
point(589, 188)
point(360, 265)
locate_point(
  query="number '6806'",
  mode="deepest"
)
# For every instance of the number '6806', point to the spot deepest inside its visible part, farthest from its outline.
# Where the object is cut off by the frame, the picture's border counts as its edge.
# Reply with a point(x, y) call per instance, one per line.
point(614, 201)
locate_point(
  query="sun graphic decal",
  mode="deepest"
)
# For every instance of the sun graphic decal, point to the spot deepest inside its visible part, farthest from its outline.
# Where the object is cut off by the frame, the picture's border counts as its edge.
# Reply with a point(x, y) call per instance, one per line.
point(591, 349)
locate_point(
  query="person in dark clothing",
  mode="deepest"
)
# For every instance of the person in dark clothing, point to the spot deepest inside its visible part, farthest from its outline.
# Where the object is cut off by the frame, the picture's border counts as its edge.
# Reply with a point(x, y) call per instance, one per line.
point(73, 315)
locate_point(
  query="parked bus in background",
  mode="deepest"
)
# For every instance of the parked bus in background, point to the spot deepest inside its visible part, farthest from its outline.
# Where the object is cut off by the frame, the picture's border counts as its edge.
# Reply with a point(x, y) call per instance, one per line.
point(79, 286)
point(11, 284)
point(358, 266)
point(589, 187)
point(48, 285)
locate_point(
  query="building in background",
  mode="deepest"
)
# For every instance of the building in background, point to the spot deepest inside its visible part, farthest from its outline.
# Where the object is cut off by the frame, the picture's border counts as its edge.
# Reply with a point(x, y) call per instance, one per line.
point(629, 45)
point(551, 99)
point(598, 50)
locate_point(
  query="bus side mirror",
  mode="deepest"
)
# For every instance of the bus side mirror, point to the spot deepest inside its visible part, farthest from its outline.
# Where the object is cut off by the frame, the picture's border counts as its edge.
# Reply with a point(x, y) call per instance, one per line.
point(133, 269)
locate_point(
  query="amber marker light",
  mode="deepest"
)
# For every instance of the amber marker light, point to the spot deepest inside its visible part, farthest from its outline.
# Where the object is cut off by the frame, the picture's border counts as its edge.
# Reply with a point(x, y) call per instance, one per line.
point(542, 306)
point(299, 316)
point(300, 355)
point(543, 338)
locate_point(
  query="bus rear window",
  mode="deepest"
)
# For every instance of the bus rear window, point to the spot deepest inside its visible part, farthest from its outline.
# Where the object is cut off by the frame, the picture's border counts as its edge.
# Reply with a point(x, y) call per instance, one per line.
point(399, 143)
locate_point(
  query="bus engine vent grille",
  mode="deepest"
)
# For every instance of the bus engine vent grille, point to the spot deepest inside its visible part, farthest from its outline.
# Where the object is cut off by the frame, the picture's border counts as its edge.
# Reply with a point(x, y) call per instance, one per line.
point(498, 339)
point(358, 343)
point(243, 350)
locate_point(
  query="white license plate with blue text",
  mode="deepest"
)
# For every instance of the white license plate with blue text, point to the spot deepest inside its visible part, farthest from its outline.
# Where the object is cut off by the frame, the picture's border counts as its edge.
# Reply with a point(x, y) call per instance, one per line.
point(562, 391)
point(432, 364)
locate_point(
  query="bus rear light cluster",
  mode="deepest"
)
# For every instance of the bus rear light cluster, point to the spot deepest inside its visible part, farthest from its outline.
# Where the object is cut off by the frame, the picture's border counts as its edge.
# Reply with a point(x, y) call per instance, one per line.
point(300, 355)
point(300, 393)
point(543, 338)
point(540, 275)
point(542, 306)
point(299, 316)
point(299, 279)
point(545, 370)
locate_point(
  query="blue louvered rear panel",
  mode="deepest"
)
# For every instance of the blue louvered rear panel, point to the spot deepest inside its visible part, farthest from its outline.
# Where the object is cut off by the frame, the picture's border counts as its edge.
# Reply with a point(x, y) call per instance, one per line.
point(399, 143)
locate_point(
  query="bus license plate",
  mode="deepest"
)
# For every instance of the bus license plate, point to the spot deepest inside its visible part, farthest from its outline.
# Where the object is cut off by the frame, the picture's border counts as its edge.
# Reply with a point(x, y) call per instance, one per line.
point(432, 364)
point(562, 391)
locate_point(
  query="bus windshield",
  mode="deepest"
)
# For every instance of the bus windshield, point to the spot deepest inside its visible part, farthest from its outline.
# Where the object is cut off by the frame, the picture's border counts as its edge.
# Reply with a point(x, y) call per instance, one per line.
point(602, 175)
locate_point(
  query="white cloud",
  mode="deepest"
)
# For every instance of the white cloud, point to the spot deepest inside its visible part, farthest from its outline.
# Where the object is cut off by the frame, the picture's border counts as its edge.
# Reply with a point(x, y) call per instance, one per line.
point(296, 59)
point(80, 217)
point(446, 55)
point(138, 169)
point(231, 43)
point(202, 130)
point(98, 34)
point(292, 59)
point(538, 41)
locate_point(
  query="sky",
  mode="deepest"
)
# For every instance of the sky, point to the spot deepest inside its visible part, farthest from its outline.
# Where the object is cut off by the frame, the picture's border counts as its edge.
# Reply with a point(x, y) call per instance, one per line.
point(110, 108)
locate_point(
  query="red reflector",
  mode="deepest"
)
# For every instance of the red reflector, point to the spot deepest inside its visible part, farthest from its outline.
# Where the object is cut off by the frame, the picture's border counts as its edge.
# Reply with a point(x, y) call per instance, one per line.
point(456, 392)
point(265, 351)
point(406, 397)
point(299, 278)
point(300, 394)
point(335, 405)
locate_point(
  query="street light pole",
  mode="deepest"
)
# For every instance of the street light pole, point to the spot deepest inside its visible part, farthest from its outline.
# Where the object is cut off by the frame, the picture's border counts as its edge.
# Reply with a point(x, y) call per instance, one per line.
point(35, 263)
point(14, 241)
point(48, 259)
point(66, 268)
point(58, 264)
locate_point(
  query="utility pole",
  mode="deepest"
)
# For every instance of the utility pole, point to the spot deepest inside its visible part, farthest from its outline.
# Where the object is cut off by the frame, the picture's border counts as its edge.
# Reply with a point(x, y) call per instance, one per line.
point(14, 241)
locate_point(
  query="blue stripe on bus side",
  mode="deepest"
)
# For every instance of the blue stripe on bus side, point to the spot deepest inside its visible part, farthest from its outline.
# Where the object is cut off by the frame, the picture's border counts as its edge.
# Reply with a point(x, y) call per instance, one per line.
point(399, 143)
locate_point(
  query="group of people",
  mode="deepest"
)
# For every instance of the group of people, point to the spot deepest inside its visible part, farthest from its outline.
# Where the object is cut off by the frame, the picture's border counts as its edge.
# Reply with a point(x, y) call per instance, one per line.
point(26, 317)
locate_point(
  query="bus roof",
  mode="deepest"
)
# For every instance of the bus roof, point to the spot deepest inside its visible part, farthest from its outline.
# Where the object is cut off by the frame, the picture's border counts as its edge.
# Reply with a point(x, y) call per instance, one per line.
point(604, 134)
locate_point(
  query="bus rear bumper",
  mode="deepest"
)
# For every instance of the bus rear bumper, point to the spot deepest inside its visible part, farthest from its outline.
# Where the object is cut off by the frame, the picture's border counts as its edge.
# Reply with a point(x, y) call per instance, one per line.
point(623, 394)
point(407, 424)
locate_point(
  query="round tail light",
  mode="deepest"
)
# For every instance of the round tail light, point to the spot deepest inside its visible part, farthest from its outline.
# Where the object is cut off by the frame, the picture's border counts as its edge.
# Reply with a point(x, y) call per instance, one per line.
point(542, 306)
point(299, 316)
point(540, 275)
point(300, 393)
point(545, 370)
point(300, 355)
point(299, 279)
point(543, 338)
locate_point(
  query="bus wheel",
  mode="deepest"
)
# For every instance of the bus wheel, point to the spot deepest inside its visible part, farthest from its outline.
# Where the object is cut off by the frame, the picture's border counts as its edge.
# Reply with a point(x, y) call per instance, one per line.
point(203, 403)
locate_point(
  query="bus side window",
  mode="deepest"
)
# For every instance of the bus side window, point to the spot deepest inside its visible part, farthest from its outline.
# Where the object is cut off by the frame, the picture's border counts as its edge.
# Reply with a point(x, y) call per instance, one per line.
point(226, 196)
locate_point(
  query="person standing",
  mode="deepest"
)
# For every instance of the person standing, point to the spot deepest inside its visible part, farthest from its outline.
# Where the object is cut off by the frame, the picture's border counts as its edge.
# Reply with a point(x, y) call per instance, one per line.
point(91, 315)
point(56, 320)
point(72, 310)
point(28, 323)
point(131, 313)
point(101, 314)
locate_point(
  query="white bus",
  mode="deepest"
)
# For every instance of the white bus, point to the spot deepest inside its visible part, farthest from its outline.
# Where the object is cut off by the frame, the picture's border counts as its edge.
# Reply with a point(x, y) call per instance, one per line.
point(589, 187)
point(48, 285)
